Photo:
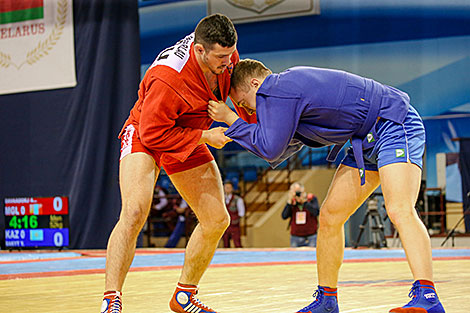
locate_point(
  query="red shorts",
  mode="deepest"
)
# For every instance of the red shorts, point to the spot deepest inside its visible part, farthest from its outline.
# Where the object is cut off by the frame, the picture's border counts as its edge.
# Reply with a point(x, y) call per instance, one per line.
point(130, 143)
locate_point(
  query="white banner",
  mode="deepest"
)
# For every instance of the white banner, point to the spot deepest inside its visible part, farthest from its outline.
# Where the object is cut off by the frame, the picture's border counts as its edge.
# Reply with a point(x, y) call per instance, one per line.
point(36, 45)
point(241, 11)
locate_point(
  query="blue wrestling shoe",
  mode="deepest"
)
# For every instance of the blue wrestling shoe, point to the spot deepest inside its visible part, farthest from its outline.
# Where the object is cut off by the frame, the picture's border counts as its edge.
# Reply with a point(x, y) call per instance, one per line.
point(325, 302)
point(423, 299)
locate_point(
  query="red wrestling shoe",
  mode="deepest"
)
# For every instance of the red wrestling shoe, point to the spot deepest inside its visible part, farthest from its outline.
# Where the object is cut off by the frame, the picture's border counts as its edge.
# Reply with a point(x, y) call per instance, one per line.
point(184, 300)
point(112, 302)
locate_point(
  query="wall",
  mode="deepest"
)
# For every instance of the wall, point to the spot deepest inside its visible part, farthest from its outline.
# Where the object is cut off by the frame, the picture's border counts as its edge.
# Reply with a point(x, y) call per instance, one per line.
point(64, 141)
point(271, 230)
point(420, 46)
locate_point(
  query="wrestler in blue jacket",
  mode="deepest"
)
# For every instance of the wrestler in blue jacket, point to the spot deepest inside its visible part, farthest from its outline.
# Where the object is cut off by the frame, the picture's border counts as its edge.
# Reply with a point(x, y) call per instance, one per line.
point(322, 107)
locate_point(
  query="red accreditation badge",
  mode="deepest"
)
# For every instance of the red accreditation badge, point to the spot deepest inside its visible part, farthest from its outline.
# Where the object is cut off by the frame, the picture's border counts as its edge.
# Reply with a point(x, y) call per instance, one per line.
point(301, 217)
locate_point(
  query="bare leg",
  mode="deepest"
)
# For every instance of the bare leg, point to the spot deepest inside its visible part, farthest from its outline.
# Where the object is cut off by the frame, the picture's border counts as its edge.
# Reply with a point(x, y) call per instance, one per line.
point(344, 197)
point(137, 176)
point(202, 189)
point(400, 186)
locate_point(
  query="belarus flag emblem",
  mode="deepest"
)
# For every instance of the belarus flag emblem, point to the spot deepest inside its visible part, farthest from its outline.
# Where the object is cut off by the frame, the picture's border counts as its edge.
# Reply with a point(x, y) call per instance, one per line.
point(13, 11)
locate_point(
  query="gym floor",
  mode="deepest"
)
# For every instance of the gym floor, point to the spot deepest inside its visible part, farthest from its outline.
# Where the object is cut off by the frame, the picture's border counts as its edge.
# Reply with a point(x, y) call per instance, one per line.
point(239, 280)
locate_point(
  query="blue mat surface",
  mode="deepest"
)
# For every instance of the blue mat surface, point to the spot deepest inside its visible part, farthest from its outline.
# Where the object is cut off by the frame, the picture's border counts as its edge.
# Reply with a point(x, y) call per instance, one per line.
point(11, 256)
point(73, 262)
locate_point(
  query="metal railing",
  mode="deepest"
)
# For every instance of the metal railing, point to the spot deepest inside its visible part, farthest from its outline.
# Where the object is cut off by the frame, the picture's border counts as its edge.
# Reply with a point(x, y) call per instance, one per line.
point(291, 164)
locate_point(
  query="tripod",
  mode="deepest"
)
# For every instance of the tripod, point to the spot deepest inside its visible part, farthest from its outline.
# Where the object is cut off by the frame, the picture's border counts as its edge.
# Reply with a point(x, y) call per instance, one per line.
point(452, 232)
point(375, 225)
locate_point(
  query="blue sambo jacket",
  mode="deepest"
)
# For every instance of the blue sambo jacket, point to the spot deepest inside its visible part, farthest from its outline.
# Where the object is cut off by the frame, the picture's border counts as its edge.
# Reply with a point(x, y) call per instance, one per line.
point(317, 107)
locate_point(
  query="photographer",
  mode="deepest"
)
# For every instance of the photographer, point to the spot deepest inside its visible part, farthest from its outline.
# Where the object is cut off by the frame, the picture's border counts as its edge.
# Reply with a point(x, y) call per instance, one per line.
point(303, 217)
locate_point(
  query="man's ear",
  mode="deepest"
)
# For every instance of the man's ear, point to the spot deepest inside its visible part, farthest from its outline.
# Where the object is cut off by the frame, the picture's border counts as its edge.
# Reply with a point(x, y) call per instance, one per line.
point(255, 82)
point(199, 48)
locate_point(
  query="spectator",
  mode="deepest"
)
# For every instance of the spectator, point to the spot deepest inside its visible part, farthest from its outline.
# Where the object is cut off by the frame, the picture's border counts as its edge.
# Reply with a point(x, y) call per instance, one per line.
point(236, 209)
point(160, 200)
point(158, 208)
point(303, 216)
point(185, 221)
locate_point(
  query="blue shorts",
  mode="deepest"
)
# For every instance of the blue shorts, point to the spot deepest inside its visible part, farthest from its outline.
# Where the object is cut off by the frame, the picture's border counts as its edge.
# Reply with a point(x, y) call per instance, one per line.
point(395, 143)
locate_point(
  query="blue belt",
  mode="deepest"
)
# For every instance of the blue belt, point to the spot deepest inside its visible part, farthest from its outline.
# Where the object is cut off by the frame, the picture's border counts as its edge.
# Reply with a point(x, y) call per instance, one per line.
point(358, 137)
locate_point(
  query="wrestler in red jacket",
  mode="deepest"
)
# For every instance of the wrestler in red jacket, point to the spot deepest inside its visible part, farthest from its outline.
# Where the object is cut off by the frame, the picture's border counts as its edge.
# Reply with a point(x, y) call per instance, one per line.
point(169, 127)
point(171, 111)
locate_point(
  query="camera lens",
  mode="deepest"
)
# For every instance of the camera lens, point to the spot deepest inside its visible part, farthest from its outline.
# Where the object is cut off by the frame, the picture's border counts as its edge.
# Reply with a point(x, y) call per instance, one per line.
point(298, 193)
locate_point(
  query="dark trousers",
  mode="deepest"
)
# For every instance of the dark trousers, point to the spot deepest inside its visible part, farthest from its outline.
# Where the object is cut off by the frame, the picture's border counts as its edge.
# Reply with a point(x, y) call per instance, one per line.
point(233, 231)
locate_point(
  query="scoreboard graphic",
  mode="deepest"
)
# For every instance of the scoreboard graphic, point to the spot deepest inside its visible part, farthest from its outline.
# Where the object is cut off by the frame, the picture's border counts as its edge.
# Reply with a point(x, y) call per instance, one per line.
point(36, 222)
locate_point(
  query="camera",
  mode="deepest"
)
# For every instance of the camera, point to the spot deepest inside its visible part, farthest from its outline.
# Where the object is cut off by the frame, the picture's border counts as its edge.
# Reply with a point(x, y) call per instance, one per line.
point(298, 193)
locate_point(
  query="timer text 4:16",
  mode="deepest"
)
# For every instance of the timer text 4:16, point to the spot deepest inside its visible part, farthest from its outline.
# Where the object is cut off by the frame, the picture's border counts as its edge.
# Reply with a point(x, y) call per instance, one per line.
point(27, 221)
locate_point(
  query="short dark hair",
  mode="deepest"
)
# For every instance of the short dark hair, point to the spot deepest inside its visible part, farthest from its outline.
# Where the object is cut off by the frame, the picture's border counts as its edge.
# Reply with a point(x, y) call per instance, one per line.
point(215, 28)
point(247, 68)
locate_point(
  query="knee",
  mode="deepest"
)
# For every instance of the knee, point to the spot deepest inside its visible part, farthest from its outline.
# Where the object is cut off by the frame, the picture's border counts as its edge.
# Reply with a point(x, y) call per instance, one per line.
point(216, 223)
point(221, 223)
point(402, 217)
point(133, 217)
point(330, 218)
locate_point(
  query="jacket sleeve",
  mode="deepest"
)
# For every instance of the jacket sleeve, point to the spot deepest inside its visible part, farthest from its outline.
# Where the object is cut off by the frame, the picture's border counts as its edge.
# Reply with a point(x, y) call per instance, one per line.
point(287, 212)
point(315, 206)
point(312, 208)
point(158, 130)
point(271, 136)
point(240, 207)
